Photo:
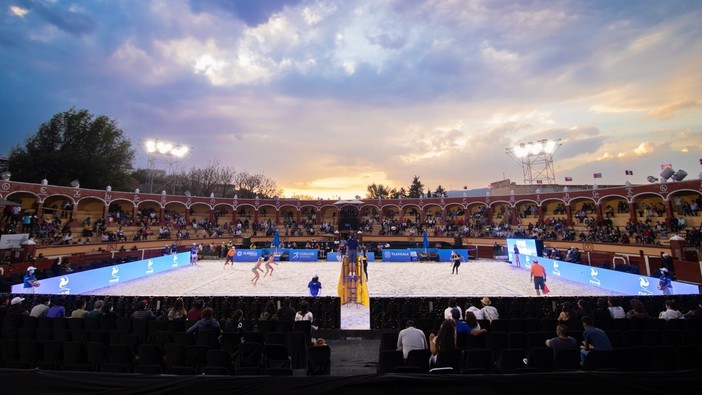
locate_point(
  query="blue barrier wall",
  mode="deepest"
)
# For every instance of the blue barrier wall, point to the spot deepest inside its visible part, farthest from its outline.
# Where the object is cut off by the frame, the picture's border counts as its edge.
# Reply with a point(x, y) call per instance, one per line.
point(89, 280)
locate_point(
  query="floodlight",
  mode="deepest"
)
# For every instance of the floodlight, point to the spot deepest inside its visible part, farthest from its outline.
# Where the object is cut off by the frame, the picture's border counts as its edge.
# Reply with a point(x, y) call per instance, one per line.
point(6, 175)
point(679, 175)
point(75, 184)
point(667, 173)
point(651, 179)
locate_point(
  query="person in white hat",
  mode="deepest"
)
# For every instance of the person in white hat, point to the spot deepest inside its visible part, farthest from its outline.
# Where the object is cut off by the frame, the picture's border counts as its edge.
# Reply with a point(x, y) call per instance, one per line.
point(665, 284)
point(30, 280)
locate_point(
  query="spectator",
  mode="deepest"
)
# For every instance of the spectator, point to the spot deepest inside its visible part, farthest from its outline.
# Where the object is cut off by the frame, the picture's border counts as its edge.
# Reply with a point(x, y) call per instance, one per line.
point(142, 313)
point(615, 309)
point(490, 312)
point(568, 316)
point(195, 312)
point(304, 314)
point(562, 341)
point(442, 343)
point(670, 312)
point(476, 311)
point(96, 312)
point(79, 310)
point(42, 306)
point(452, 304)
point(593, 339)
point(410, 339)
point(56, 310)
point(177, 311)
point(638, 310)
point(473, 325)
point(269, 312)
point(16, 309)
point(206, 324)
point(695, 313)
point(107, 311)
point(601, 316)
point(286, 312)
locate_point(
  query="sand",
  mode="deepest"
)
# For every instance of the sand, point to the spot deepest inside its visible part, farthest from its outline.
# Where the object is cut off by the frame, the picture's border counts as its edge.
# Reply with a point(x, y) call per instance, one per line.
point(477, 278)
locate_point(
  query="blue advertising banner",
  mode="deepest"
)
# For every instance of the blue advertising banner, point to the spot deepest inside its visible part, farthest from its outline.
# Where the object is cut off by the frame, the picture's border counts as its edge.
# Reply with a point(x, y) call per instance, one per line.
point(625, 283)
point(243, 255)
point(303, 255)
point(86, 281)
point(405, 255)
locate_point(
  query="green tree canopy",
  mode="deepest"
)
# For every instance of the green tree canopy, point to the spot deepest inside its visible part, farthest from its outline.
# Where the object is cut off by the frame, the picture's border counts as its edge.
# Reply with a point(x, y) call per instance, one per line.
point(75, 145)
point(416, 189)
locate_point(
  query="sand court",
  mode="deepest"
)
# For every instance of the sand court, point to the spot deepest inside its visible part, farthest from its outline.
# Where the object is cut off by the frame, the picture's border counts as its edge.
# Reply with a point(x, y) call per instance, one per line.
point(476, 278)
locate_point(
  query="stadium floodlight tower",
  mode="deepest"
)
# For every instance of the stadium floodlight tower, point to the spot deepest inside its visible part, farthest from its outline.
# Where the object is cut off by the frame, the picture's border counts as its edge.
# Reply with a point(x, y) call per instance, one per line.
point(163, 152)
point(536, 160)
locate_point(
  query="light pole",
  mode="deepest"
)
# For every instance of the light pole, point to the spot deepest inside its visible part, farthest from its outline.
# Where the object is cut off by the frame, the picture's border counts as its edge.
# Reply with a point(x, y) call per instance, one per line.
point(163, 152)
point(536, 160)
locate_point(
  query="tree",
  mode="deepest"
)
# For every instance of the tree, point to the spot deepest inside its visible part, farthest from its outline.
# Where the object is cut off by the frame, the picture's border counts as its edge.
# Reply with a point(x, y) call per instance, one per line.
point(251, 185)
point(416, 189)
point(76, 145)
point(375, 191)
point(440, 191)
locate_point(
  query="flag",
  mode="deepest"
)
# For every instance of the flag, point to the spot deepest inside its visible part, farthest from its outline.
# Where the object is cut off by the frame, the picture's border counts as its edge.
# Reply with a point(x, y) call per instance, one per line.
point(629, 172)
point(669, 165)
point(539, 181)
point(597, 175)
point(569, 178)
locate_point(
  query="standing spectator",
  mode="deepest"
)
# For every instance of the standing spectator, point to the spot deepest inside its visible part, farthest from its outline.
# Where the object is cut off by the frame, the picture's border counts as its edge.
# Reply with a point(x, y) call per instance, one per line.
point(96, 312)
point(40, 309)
point(195, 312)
point(516, 256)
point(79, 310)
point(286, 312)
point(538, 276)
point(593, 339)
point(490, 312)
point(30, 280)
point(442, 343)
point(670, 312)
point(665, 284)
point(56, 310)
point(410, 339)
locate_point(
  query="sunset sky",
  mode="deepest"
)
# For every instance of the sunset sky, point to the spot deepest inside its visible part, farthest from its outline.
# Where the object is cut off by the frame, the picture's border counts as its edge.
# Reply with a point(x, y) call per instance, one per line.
point(327, 97)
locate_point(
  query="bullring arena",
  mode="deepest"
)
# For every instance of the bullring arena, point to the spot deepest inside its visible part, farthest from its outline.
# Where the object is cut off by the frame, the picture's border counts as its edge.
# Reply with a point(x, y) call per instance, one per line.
point(357, 334)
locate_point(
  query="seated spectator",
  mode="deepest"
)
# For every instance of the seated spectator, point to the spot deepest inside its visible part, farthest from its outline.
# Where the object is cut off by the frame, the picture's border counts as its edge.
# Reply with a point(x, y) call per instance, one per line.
point(96, 312)
point(206, 324)
point(177, 311)
point(562, 341)
point(410, 339)
point(670, 312)
point(473, 325)
point(56, 310)
point(489, 312)
point(593, 339)
point(638, 310)
point(42, 306)
point(142, 313)
point(195, 312)
point(79, 311)
point(615, 309)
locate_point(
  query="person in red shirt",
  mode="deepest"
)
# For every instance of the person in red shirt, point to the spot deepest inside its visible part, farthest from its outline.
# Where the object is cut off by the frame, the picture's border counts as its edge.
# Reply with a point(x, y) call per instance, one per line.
point(538, 276)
